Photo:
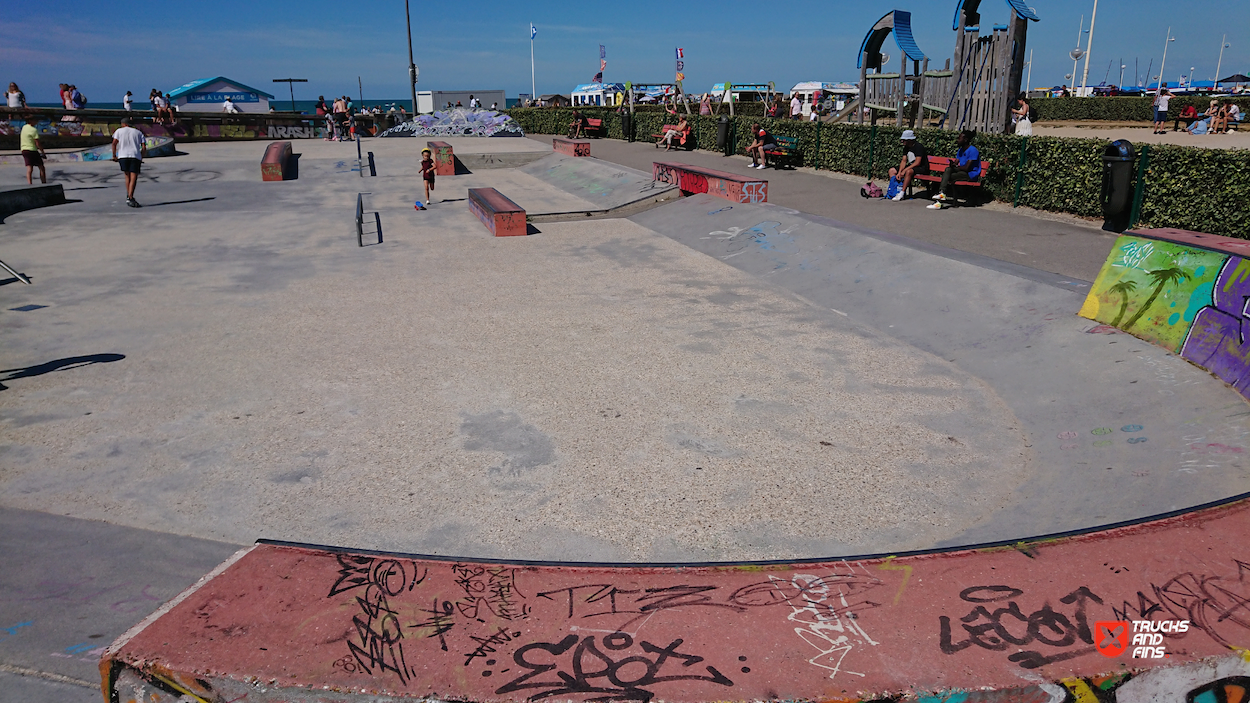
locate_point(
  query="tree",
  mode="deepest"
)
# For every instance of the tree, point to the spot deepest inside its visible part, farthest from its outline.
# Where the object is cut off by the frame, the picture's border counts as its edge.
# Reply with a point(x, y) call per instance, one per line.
point(1161, 278)
point(1123, 288)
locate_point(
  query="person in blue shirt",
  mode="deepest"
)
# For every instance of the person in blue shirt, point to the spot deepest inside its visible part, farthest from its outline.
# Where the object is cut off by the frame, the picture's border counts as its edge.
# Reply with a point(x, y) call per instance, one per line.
point(965, 167)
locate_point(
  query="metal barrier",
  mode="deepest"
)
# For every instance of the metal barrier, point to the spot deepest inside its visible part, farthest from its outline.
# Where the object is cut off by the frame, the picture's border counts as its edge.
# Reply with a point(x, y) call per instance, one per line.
point(360, 220)
point(360, 161)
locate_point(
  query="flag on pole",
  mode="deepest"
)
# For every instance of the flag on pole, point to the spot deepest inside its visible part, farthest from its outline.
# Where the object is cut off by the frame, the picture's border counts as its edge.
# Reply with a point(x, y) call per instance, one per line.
point(533, 31)
point(681, 77)
point(603, 53)
point(603, 64)
point(681, 53)
point(598, 78)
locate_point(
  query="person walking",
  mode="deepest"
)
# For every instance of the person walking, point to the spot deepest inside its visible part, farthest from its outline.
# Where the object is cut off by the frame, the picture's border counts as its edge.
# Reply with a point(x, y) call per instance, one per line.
point(427, 173)
point(129, 150)
point(32, 153)
point(15, 97)
point(128, 101)
point(796, 107)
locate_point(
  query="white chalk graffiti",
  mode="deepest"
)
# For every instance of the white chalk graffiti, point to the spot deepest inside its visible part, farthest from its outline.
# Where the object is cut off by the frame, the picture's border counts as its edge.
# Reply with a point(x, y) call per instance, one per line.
point(825, 616)
point(755, 192)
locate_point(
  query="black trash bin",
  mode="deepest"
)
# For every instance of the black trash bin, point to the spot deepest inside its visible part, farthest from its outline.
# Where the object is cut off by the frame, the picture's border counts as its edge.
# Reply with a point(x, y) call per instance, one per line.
point(722, 133)
point(627, 126)
point(1117, 185)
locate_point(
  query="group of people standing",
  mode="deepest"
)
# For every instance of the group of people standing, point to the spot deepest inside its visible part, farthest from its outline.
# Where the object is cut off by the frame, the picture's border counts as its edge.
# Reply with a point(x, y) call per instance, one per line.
point(339, 117)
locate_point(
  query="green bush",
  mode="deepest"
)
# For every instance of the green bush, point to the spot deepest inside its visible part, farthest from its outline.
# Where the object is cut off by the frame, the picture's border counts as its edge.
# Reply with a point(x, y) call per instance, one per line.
point(1205, 190)
point(1118, 109)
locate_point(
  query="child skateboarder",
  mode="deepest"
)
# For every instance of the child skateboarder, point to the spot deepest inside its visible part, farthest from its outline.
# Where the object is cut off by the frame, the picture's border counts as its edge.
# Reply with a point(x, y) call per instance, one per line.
point(427, 173)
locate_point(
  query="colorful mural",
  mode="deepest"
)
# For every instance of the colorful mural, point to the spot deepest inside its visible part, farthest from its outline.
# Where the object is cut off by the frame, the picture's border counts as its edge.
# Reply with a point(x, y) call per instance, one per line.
point(185, 129)
point(458, 123)
point(1187, 299)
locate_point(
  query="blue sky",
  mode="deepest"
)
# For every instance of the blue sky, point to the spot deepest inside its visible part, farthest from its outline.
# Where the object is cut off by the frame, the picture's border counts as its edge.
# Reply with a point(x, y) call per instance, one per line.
point(109, 47)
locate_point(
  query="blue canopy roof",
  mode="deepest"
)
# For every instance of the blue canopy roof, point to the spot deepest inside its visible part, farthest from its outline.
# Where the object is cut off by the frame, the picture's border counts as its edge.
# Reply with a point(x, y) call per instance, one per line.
point(898, 23)
point(971, 7)
point(195, 85)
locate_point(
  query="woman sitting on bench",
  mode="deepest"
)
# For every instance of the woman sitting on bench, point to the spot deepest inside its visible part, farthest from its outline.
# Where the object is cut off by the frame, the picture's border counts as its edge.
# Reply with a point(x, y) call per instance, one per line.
point(676, 131)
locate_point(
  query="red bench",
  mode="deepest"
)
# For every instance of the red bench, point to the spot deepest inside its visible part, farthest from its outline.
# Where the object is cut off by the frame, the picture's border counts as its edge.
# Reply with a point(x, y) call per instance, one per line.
point(682, 137)
point(572, 147)
point(594, 127)
point(275, 165)
point(695, 179)
point(501, 216)
point(937, 166)
point(444, 159)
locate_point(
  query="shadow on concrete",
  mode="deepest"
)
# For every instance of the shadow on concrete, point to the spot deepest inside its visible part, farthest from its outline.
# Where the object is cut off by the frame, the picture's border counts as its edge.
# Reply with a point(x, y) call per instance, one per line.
point(71, 362)
point(292, 168)
point(180, 202)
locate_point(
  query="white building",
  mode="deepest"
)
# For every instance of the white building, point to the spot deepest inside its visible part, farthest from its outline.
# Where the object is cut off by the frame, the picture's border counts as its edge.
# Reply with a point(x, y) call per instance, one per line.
point(208, 94)
point(837, 93)
point(599, 94)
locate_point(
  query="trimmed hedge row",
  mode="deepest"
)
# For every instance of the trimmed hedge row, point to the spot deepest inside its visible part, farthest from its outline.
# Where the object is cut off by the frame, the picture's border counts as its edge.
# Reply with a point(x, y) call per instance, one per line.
point(1120, 109)
point(1205, 190)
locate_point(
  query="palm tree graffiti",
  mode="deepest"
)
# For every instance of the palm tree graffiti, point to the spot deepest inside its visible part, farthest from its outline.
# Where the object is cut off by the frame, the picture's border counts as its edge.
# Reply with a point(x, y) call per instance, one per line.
point(1123, 288)
point(1161, 278)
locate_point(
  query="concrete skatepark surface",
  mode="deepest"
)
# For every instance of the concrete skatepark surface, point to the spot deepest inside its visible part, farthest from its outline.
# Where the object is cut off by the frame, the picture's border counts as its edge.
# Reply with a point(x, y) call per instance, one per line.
point(687, 385)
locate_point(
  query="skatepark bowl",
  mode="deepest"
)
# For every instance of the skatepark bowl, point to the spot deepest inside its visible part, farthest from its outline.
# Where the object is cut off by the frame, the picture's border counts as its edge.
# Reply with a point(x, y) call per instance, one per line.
point(662, 448)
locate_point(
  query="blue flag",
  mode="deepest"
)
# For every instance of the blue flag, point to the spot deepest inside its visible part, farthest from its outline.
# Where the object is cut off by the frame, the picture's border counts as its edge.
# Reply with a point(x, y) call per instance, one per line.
point(533, 31)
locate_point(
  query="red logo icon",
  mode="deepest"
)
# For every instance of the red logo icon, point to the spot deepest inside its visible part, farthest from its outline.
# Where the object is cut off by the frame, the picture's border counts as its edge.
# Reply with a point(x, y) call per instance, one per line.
point(1111, 637)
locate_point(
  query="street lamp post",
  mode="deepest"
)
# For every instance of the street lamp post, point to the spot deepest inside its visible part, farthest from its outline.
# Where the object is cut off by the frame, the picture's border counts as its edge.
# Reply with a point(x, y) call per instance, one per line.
point(1121, 83)
point(1219, 63)
point(1089, 46)
point(1169, 40)
point(291, 84)
point(412, 67)
point(1076, 53)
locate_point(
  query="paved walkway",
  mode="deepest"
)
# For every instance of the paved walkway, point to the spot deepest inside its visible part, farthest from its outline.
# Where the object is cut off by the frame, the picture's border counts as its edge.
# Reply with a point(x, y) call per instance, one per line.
point(1050, 242)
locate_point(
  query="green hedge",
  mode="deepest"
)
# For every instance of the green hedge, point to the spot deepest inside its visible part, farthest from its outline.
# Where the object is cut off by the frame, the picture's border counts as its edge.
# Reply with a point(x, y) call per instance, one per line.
point(1205, 190)
point(1119, 109)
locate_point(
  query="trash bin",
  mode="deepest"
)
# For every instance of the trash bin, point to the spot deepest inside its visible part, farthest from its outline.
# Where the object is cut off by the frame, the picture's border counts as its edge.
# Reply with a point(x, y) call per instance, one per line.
point(1117, 185)
point(627, 126)
point(722, 133)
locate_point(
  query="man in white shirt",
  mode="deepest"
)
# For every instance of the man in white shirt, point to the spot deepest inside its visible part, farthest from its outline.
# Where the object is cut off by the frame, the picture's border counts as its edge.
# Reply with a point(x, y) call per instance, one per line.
point(796, 107)
point(129, 150)
point(228, 106)
point(128, 100)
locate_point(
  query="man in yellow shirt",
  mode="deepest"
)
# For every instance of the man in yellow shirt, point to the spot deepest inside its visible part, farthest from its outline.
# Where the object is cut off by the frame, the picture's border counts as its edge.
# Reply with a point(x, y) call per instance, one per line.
point(32, 153)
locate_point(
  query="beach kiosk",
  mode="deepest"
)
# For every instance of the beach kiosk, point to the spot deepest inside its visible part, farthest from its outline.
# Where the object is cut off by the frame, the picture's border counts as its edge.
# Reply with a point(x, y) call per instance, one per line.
point(208, 94)
point(834, 95)
point(599, 94)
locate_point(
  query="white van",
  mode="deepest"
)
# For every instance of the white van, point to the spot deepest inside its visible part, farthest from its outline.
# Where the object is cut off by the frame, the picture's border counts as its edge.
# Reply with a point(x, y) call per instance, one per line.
point(833, 95)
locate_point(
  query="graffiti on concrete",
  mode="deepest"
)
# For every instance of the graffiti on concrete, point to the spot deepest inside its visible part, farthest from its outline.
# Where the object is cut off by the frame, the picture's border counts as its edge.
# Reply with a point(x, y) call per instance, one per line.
point(998, 623)
point(457, 123)
point(1189, 300)
point(256, 129)
point(727, 186)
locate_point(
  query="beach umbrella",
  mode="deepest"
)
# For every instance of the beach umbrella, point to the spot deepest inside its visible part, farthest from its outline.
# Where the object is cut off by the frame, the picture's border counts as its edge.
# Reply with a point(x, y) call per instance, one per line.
point(1236, 78)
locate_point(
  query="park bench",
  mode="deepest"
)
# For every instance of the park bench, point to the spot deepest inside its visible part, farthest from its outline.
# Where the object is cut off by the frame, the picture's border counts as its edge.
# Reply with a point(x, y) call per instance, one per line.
point(501, 216)
point(937, 166)
point(444, 159)
point(594, 127)
point(696, 179)
point(572, 147)
point(275, 164)
point(682, 140)
point(785, 150)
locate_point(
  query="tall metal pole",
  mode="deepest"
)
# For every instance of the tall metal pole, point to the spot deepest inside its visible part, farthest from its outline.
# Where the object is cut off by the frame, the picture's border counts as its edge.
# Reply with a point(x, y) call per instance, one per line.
point(1028, 83)
point(1220, 62)
point(1165, 57)
point(1079, 31)
point(533, 88)
point(1089, 46)
point(412, 67)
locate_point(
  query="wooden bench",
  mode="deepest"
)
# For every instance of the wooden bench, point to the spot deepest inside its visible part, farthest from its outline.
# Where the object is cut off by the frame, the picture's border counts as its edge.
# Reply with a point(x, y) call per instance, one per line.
point(696, 179)
point(572, 147)
point(683, 137)
point(501, 216)
point(937, 166)
point(275, 165)
point(785, 150)
point(594, 128)
point(444, 159)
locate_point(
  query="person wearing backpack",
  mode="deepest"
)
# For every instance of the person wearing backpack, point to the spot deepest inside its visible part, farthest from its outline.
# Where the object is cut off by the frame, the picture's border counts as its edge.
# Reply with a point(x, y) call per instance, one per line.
point(1024, 114)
